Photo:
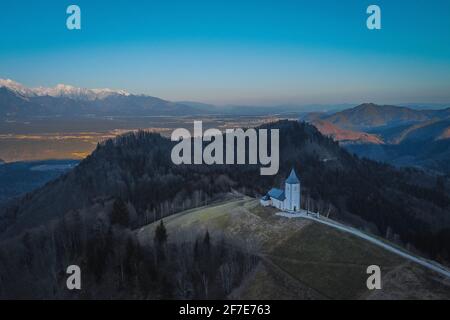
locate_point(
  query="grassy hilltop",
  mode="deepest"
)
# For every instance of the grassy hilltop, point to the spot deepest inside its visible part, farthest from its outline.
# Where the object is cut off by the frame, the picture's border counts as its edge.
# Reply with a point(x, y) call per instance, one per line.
point(300, 259)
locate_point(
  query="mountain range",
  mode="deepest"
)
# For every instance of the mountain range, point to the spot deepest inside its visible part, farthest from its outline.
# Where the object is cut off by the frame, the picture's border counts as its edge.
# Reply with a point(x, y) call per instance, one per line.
point(61, 90)
point(397, 135)
point(18, 101)
point(369, 115)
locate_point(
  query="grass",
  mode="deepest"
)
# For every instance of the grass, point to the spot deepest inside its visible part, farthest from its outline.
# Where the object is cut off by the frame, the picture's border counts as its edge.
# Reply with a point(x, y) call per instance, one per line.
point(332, 281)
point(217, 215)
point(332, 262)
point(300, 259)
point(319, 243)
point(266, 213)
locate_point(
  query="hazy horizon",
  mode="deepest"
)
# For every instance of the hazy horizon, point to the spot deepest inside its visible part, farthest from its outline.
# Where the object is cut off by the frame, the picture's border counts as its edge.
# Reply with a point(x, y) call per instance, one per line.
point(329, 106)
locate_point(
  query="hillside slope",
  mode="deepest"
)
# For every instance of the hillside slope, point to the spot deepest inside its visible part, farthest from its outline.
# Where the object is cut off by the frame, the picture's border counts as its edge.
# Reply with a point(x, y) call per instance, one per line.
point(301, 259)
point(424, 132)
point(18, 178)
point(425, 145)
point(396, 135)
point(370, 115)
point(345, 136)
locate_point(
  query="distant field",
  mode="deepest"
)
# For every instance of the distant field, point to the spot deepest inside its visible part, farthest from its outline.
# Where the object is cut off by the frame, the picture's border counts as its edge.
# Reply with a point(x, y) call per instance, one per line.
point(301, 259)
point(76, 138)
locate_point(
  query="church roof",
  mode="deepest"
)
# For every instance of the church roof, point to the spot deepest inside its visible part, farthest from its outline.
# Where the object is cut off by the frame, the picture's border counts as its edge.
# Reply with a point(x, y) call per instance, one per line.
point(276, 194)
point(292, 179)
point(265, 198)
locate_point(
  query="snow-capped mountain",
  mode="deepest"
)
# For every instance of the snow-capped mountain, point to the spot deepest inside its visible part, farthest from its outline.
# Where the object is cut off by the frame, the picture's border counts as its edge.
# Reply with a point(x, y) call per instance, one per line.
point(19, 101)
point(62, 90)
point(16, 87)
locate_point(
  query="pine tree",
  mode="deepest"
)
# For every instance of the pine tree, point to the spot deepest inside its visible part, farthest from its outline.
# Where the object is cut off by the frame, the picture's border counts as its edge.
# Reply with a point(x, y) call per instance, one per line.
point(120, 214)
point(196, 250)
point(160, 234)
point(207, 240)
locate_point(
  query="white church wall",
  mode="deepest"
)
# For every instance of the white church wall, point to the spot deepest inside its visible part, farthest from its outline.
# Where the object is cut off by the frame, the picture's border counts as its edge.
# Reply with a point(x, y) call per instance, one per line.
point(288, 193)
point(277, 204)
point(295, 197)
point(292, 192)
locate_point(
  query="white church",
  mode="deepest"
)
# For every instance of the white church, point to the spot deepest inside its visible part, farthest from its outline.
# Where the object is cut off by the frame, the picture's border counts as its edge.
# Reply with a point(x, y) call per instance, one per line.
point(287, 199)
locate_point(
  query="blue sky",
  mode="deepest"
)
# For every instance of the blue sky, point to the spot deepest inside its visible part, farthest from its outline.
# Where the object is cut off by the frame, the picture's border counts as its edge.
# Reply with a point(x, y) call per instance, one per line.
point(234, 52)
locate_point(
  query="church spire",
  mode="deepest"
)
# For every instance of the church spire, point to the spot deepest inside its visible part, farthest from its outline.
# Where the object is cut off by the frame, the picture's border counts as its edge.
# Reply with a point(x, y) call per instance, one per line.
point(292, 179)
